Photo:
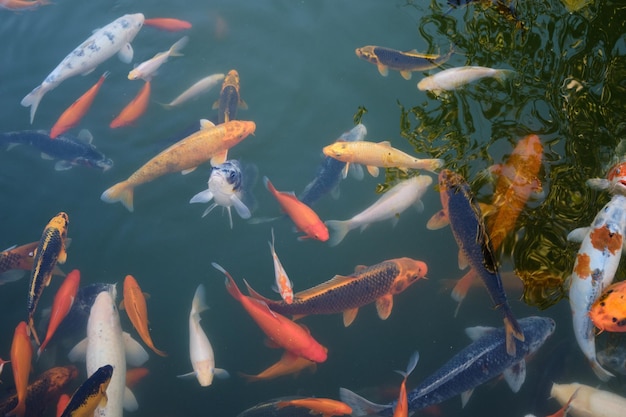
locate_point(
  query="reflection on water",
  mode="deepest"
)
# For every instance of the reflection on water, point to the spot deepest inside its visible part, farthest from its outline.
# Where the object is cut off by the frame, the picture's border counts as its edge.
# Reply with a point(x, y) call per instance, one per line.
point(569, 89)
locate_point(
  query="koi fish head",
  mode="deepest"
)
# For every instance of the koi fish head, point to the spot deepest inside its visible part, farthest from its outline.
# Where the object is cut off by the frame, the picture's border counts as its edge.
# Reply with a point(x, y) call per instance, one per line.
point(318, 231)
point(226, 178)
point(367, 53)
point(410, 271)
point(60, 222)
point(338, 150)
point(617, 177)
point(231, 79)
point(609, 310)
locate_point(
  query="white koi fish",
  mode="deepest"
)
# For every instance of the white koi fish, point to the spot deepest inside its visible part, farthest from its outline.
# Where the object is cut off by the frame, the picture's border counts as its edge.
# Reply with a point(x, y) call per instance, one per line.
point(148, 68)
point(597, 261)
point(202, 86)
point(283, 284)
point(453, 78)
point(389, 206)
point(112, 39)
point(587, 401)
point(200, 349)
point(106, 344)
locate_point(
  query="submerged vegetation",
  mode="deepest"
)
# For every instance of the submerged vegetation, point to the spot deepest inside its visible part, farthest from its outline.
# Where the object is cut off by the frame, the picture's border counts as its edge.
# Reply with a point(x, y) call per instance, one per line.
point(569, 88)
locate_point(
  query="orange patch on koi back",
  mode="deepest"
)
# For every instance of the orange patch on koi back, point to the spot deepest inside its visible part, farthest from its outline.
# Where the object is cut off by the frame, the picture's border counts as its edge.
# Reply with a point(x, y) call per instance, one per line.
point(602, 238)
point(582, 267)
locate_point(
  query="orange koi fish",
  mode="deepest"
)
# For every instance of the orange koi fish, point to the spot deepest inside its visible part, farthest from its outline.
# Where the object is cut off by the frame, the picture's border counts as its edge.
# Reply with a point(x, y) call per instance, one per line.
point(609, 310)
point(63, 301)
point(324, 406)
point(287, 365)
point(377, 283)
point(15, 260)
point(50, 250)
point(402, 406)
point(135, 305)
point(19, 5)
point(283, 285)
point(21, 355)
point(306, 220)
point(134, 110)
point(133, 376)
point(210, 142)
point(64, 400)
point(167, 23)
point(517, 181)
point(72, 115)
point(279, 329)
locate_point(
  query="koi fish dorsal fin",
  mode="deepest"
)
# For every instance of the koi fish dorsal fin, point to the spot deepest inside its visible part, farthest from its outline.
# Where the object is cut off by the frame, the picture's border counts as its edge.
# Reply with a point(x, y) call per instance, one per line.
point(384, 305)
point(206, 124)
point(336, 281)
point(255, 294)
point(359, 268)
point(385, 143)
point(349, 316)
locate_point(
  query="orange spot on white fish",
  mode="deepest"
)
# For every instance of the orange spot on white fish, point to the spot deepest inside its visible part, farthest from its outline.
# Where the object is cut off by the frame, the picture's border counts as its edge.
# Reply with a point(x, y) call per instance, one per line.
point(582, 268)
point(602, 238)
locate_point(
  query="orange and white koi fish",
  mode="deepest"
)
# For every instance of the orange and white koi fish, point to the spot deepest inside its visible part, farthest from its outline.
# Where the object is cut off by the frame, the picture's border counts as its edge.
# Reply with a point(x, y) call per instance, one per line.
point(283, 285)
point(63, 301)
point(287, 365)
point(14, 261)
point(597, 261)
point(133, 110)
point(375, 155)
point(168, 23)
point(210, 142)
point(305, 219)
point(402, 406)
point(324, 406)
point(50, 250)
point(74, 113)
point(19, 5)
point(609, 310)
point(147, 69)
point(279, 329)
point(588, 401)
point(517, 181)
point(134, 303)
point(21, 356)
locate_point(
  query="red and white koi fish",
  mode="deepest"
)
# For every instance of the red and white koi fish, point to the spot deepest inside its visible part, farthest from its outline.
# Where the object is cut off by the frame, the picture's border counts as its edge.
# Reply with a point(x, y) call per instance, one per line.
point(597, 261)
point(63, 301)
point(283, 285)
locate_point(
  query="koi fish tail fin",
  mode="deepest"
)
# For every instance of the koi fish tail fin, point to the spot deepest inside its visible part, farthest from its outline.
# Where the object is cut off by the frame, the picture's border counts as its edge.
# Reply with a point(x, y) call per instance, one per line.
point(432, 165)
point(42, 347)
point(600, 372)
point(32, 100)
point(180, 44)
point(459, 292)
point(248, 378)
point(122, 192)
point(33, 331)
point(231, 286)
point(502, 75)
point(198, 305)
point(512, 331)
point(415, 357)
point(360, 406)
point(338, 230)
point(158, 352)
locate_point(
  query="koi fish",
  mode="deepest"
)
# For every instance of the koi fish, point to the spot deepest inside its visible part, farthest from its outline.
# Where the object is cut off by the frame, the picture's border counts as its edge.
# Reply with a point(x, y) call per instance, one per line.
point(50, 250)
point(453, 78)
point(389, 206)
point(226, 188)
point(147, 69)
point(484, 359)
point(589, 401)
point(468, 228)
point(105, 42)
point(21, 356)
point(14, 261)
point(74, 113)
point(279, 329)
point(268, 409)
point(324, 406)
point(134, 303)
point(90, 395)
point(377, 283)
point(375, 155)
point(230, 99)
point(303, 216)
point(405, 62)
point(62, 403)
point(608, 312)
point(210, 142)
point(68, 150)
point(287, 365)
point(330, 171)
point(43, 392)
point(200, 349)
point(133, 110)
point(283, 284)
point(597, 261)
point(61, 306)
point(402, 408)
point(19, 5)
point(168, 23)
point(200, 87)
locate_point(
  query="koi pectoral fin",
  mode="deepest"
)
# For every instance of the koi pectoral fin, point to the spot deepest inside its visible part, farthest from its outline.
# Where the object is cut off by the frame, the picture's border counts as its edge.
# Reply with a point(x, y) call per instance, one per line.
point(349, 316)
point(384, 305)
point(515, 375)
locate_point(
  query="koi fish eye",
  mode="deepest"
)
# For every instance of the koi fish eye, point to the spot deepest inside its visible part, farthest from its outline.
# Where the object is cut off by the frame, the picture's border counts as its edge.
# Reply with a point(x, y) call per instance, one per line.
point(232, 175)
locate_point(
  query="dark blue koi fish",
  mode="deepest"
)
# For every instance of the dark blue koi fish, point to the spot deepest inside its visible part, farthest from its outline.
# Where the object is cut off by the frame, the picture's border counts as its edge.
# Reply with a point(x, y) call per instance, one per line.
point(481, 361)
point(404, 62)
point(69, 151)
